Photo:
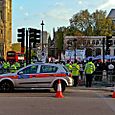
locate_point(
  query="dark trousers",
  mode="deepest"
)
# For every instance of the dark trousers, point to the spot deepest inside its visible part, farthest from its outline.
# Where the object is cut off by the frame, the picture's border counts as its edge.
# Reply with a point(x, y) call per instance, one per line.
point(89, 78)
point(75, 78)
point(81, 75)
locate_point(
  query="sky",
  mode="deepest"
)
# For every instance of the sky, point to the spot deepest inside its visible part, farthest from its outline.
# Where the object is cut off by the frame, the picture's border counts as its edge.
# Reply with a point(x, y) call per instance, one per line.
point(54, 13)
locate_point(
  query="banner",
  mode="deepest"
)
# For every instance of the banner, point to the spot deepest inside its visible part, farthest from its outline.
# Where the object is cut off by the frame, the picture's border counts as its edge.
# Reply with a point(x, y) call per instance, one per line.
point(72, 54)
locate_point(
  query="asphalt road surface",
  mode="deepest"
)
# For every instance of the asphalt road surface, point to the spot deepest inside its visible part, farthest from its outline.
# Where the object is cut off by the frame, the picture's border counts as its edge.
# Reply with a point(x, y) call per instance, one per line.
point(76, 101)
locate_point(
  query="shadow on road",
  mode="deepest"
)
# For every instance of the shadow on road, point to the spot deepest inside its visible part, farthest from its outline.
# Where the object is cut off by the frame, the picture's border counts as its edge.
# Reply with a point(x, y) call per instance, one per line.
point(29, 90)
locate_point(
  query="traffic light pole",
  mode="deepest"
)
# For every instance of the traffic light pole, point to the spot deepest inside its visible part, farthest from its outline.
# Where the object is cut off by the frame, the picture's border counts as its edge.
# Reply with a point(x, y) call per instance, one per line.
point(32, 36)
point(21, 38)
point(26, 47)
point(104, 73)
point(103, 53)
point(109, 43)
point(29, 51)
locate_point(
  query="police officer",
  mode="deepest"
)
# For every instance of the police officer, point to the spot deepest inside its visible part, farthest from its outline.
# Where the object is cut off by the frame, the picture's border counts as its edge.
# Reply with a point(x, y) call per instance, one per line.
point(13, 68)
point(75, 73)
point(68, 65)
point(89, 70)
point(6, 66)
point(17, 64)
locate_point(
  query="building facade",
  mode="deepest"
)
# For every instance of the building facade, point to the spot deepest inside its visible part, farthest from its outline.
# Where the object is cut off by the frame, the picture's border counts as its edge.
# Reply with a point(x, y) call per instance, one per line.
point(6, 28)
point(112, 15)
point(92, 44)
point(1, 39)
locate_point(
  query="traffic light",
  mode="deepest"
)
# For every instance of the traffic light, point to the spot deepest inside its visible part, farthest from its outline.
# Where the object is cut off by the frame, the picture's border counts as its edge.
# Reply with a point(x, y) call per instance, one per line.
point(109, 43)
point(37, 37)
point(21, 38)
point(38, 33)
point(34, 36)
point(31, 34)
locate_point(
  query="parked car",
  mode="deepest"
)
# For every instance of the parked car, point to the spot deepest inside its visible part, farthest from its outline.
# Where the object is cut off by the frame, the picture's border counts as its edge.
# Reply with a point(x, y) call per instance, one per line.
point(38, 75)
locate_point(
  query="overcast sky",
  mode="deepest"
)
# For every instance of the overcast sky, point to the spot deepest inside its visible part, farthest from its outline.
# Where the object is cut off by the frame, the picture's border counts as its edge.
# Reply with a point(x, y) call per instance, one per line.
point(54, 13)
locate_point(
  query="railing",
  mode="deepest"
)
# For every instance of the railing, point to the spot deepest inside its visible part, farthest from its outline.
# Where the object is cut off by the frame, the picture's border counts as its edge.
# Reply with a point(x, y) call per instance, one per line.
point(110, 76)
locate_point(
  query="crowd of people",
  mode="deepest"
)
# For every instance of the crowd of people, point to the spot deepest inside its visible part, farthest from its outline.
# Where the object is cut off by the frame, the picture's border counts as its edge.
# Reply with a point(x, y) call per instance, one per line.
point(9, 66)
point(91, 70)
point(78, 69)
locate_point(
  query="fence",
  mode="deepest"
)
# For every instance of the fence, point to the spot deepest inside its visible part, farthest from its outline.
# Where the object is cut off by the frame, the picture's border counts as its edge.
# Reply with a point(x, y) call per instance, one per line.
point(110, 76)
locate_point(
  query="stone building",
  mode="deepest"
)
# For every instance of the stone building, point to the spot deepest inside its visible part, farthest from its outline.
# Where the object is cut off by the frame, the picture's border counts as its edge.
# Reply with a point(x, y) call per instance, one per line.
point(112, 15)
point(92, 44)
point(6, 28)
point(1, 39)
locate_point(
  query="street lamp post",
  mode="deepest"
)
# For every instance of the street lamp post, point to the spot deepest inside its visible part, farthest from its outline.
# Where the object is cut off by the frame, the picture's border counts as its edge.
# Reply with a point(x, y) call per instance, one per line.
point(42, 35)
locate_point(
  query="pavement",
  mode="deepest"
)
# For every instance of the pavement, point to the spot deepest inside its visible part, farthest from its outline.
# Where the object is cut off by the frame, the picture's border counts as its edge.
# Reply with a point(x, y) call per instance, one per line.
point(110, 89)
point(98, 85)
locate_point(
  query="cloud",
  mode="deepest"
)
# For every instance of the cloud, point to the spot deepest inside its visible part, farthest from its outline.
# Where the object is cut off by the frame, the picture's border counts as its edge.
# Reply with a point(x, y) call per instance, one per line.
point(80, 2)
point(58, 14)
point(59, 11)
point(26, 14)
point(23, 11)
point(21, 8)
point(58, 4)
point(107, 4)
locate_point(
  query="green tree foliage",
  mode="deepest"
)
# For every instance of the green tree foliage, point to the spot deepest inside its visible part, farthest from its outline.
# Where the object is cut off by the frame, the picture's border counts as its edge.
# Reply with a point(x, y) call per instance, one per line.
point(102, 25)
point(84, 23)
point(95, 24)
point(81, 21)
point(60, 38)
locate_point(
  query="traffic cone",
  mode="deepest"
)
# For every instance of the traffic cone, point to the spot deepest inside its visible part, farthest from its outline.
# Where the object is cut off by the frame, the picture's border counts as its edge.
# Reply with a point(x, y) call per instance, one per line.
point(59, 90)
point(113, 95)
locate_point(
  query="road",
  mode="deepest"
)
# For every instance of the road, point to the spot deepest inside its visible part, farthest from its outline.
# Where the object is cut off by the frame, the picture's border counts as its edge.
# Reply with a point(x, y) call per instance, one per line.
point(76, 101)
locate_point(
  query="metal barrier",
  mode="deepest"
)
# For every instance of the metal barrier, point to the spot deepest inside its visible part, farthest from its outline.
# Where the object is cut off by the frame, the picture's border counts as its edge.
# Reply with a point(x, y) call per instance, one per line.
point(105, 75)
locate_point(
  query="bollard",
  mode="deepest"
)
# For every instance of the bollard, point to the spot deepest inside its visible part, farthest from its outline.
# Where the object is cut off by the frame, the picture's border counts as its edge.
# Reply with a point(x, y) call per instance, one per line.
point(104, 75)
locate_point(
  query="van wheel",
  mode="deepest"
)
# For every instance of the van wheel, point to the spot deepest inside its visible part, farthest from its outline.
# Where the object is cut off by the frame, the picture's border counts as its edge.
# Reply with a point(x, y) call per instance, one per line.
point(6, 86)
point(63, 85)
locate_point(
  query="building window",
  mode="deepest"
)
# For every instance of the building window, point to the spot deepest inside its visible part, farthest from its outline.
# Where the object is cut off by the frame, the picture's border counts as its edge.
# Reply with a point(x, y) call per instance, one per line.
point(114, 42)
point(93, 42)
point(88, 41)
point(114, 52)
point(84, 42)
point(97, 42)
point(98, 51)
